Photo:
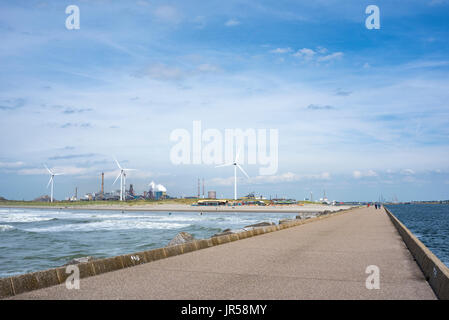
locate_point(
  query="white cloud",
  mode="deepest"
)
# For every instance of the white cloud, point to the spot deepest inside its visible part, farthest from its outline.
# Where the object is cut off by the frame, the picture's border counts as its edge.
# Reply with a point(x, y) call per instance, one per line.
point(232, 23)
point(281, 50)
point(330, 57)
point(135, 174)
point(10, 165)
point(64, 170)
point(221, 181)
point(318, 55)
point(322, 50)
point(408, 172)
point(426, 64)
point(360, 174)
point(281, 178)
point(305, 53)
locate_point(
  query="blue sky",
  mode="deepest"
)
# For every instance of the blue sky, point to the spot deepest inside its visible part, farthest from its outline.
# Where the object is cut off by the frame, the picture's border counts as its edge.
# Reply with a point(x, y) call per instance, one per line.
point(359, 112)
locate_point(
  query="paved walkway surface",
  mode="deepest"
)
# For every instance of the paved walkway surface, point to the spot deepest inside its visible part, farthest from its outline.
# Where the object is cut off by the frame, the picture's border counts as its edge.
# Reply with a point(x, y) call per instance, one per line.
point(325, 259)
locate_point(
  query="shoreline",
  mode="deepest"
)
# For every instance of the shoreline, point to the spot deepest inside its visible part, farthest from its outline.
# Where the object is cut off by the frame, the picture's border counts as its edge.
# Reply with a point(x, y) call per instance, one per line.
point(308, 208)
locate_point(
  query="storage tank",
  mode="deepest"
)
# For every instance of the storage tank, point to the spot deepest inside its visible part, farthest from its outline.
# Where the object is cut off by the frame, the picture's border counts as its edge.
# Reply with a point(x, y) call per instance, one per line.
point(212, 195)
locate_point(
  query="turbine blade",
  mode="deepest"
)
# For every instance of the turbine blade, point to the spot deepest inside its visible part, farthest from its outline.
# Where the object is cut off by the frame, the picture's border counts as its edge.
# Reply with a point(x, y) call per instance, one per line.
point(58, 174)
point(241, 169)
point(117, 177)
point(224, 165)
point(118, 164)
point(129, 169)
point(49, 171)
point(238, 154)
point(49, 181)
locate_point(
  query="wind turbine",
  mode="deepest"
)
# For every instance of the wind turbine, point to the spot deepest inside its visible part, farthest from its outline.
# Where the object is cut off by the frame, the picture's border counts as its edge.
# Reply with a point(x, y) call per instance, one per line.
point(51, 181)
point(236, 165)
point(122, 176)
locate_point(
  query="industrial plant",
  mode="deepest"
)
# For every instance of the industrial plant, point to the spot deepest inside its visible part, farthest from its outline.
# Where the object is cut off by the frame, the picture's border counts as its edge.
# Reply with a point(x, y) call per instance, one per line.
point(157, 192)
point(154, 192)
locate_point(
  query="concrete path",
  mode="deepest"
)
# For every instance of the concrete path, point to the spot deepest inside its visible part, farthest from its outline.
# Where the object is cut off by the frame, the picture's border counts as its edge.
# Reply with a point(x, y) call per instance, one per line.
point(325, 259)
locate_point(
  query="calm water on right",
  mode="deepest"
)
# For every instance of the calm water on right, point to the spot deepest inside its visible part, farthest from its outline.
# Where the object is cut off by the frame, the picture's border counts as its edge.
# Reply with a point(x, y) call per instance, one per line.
point(429, 223)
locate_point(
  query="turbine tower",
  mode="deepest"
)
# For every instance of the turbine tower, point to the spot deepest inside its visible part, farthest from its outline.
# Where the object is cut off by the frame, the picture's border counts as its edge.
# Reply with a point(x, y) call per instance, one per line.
point(122, 176)
point(51, 181)
point(236, 165)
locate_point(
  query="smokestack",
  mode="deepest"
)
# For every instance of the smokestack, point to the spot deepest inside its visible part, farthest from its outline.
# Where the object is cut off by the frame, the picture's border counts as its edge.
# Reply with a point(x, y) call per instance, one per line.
point(102, 183)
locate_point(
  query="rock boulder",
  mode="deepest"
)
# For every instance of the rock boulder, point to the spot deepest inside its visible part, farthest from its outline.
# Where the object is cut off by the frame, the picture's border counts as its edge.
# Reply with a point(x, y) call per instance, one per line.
point(180, 238)
point(79, 260)
point(282, 221)
point(260, 224)
point(223, 233)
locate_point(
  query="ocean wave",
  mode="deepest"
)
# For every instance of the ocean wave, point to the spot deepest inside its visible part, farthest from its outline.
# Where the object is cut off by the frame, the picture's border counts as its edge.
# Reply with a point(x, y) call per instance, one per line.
point(5, 227)
point(109, 225)
point(12, 218)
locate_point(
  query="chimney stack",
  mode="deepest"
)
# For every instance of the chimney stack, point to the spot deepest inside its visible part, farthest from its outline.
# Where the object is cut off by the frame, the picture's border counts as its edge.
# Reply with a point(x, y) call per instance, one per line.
point(102, 183)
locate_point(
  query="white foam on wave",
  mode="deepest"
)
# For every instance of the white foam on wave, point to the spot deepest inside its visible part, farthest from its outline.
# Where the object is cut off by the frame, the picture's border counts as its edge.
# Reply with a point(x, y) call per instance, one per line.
point(110, 225)
point(9, 210)
point(23, 217)
point(5, 227)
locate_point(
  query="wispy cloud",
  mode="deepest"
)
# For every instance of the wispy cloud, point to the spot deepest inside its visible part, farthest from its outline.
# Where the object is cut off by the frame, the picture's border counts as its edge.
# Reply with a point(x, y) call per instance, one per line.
point(305, 53)
point(361, 174)
point(426, 64)
point(12, 104)
point(68, 170)
point(271, 179)
point(76, 110)
point(318, 55)
point(343, 93)
point(281, 50)
point(84, 125)
point(331, 57)
point(319, 107)
point(232, 23)
point(162, 72)
point(9, 165)
point(73, 156)
point(408, 172)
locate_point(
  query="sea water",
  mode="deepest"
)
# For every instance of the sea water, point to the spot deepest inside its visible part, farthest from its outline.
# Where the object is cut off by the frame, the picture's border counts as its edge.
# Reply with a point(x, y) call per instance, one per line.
point(39, 239)
point(429, 223)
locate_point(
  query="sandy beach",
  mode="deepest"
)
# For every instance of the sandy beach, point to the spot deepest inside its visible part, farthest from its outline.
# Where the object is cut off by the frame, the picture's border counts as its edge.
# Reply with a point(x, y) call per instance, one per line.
point(307, 208)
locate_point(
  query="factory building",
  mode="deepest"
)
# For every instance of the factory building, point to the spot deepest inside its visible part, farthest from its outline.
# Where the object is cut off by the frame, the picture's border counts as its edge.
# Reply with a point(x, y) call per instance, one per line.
point(157, 191)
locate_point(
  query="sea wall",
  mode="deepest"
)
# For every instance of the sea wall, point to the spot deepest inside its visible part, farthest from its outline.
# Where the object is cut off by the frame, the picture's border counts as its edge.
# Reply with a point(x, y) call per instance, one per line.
point(436, 272)
point(38, 280)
